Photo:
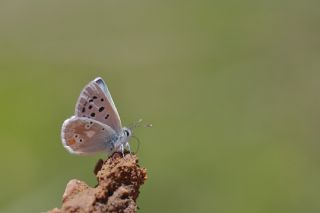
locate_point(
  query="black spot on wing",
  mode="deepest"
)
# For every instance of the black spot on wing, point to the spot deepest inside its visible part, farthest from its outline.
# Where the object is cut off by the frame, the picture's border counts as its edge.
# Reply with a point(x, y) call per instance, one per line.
point(93, 114)
point(101, 109)
point(107, 116)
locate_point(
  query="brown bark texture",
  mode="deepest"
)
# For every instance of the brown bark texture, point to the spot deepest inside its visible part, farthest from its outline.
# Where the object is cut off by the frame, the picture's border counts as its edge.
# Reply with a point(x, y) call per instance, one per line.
point(119, 179)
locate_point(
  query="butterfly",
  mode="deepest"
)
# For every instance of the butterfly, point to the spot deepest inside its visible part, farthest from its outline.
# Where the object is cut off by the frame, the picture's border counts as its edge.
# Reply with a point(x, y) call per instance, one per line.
point(96, 125)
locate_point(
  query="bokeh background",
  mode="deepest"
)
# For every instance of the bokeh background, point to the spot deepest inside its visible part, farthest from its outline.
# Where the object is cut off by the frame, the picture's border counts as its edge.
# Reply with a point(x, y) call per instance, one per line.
point(231, 88)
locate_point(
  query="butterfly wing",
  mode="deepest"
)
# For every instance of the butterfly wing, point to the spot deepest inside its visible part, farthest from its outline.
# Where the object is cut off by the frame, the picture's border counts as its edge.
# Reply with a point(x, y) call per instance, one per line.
point(85, 136)
point(95, 102)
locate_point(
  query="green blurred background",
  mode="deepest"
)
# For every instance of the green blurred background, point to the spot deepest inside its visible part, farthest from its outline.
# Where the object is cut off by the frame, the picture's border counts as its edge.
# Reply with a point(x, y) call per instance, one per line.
point(231, 88)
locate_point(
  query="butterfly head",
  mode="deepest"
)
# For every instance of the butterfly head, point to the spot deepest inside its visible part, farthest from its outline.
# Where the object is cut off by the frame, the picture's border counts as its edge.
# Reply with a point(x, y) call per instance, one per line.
point(127, 132)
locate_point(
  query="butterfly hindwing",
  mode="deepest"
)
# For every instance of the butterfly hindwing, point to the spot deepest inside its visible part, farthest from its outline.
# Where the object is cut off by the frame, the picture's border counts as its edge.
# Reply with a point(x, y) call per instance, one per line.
point(86, 136)
point(95, 102)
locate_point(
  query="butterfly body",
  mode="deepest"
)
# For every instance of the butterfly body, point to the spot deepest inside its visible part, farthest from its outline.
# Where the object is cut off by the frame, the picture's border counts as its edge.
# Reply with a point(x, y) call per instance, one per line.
point(96, 125)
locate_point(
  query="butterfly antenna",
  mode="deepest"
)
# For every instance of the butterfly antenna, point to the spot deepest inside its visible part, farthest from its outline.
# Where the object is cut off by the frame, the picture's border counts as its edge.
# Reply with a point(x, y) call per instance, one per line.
point(138, 124)
point(137, 139)
point(135, 124)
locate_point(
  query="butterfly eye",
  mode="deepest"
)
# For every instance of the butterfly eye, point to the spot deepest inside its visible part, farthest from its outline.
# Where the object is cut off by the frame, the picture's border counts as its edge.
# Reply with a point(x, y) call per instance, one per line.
point(126, 132)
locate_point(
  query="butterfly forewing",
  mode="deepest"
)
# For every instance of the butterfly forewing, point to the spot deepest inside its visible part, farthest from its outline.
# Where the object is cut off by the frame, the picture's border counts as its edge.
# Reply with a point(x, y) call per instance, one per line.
point(95, 102)
point(86, 136)
point(104, 87)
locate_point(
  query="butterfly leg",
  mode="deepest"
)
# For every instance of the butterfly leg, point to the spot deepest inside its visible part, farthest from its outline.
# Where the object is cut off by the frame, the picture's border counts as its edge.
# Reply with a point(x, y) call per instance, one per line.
point(122, 149)
point(128, 147)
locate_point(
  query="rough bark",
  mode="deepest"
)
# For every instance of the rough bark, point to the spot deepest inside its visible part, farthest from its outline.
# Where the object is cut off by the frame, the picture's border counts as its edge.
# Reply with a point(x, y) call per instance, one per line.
point(119, 179)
